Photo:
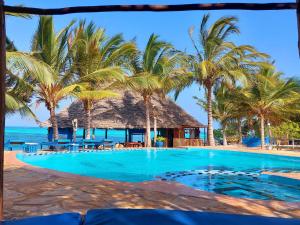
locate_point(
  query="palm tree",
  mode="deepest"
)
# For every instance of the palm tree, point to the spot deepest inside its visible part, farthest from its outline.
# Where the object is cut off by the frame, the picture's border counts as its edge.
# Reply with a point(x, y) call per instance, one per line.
point(217, 60)
point(270, 98)
point(96, 61)
point(18, 92)
point(223, 109)
point(154, 71)
point(50, 82)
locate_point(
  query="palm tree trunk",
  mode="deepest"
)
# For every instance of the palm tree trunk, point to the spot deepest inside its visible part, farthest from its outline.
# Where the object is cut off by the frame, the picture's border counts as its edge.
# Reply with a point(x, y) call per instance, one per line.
point(224, 136)
point(147, 117)
point(88, 123)
point(54, 123)
point(155, 131)
point(210, 129)
point(240, 131)
point(262, 131)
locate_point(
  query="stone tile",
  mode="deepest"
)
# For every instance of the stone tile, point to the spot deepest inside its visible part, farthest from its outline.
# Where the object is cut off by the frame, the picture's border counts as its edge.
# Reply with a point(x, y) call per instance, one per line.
point(32, 191)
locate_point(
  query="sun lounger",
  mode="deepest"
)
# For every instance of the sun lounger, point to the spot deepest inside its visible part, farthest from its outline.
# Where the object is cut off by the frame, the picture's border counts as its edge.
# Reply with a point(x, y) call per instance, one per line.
point(30, 147)
point(11, 144)
point(87, 143)
point(106, 143)
point(56, 144)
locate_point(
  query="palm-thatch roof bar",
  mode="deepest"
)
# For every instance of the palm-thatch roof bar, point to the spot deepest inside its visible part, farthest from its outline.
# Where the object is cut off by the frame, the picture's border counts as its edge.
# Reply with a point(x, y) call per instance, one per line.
point(151, 8)
point(128, 111)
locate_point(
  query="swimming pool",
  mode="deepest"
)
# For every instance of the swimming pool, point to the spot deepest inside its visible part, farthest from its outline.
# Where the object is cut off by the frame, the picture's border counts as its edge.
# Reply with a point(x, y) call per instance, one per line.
point(224, 172)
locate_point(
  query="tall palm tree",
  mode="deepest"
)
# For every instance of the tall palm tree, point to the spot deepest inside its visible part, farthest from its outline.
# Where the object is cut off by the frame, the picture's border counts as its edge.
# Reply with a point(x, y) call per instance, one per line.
point(223, 109)
point(155, 70)
point(270, 98)
point(50, 81)
point(97, 61)
point(217, 60)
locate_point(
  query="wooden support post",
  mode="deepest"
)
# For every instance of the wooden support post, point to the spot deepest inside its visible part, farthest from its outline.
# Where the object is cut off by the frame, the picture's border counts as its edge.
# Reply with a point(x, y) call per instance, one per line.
point(126, 135)
point(155, 131)
point(106, 131)
point(298, 23)
point(2, 100)
point(152, 8)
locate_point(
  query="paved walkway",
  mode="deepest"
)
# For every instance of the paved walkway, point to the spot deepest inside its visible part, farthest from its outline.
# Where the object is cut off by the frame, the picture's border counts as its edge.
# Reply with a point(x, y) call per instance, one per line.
point(31, 191)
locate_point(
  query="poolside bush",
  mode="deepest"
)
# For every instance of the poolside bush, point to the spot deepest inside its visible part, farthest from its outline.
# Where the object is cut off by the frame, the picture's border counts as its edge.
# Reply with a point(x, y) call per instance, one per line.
point(286, 130)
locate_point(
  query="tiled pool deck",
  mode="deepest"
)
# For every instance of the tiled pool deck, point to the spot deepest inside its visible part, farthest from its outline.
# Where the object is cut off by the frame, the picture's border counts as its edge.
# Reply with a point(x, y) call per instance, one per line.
point(31, 191)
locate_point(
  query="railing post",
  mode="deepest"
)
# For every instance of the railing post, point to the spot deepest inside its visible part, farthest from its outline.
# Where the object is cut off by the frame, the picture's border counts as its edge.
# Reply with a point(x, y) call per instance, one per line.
point(2, 100)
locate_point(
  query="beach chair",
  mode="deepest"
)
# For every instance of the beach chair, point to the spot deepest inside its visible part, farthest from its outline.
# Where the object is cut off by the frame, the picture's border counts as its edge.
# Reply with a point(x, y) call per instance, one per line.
point(53, 145)
point(10, 144)
point(73, 147)
point(106, 143)
point(87, 143)
point(30, 147)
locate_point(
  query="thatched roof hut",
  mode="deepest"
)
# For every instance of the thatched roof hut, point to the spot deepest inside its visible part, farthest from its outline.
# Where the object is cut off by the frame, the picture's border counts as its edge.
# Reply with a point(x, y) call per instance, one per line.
point(126, 112)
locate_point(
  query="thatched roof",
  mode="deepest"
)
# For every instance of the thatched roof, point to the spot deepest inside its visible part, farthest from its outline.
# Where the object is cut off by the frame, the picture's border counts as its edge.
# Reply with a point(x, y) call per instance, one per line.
point(126, 112)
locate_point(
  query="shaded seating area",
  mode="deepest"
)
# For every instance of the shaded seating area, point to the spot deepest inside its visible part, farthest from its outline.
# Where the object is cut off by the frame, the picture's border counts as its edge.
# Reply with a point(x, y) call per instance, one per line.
point(65, 143)
point(87, 143)
point(96, 144)
point(106, 143)
point(28, 147)
point(151, 217)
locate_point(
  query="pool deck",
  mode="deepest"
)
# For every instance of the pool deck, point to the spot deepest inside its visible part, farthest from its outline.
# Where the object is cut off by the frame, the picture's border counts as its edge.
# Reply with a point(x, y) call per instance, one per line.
point(31, 191)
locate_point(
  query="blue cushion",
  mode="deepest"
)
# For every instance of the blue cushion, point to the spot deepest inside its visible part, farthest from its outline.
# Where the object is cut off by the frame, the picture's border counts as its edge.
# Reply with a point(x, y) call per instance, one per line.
point(61, 219)
point(176, 217)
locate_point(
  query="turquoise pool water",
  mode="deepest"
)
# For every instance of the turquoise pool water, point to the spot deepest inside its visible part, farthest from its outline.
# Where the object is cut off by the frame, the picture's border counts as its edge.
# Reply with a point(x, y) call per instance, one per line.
point(225, 172)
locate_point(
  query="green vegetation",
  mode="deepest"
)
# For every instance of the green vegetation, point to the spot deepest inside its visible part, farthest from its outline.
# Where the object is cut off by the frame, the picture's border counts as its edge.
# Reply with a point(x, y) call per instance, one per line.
point(96, 62)
point(217, 60)
point(160, 139)
point(286, 130)
point(243, 90)
point(154, 71)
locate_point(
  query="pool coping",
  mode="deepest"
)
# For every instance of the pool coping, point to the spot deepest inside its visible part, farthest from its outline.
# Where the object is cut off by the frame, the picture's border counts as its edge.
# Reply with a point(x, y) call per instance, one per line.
point(171, 188)
point(185, 190)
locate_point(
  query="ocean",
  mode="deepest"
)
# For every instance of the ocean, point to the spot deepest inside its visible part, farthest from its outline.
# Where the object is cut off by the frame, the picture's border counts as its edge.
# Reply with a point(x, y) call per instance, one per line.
point(38, 134)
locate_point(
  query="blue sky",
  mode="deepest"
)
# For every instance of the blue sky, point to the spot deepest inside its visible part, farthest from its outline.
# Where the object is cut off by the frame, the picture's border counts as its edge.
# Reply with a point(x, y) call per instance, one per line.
point(272, 32)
